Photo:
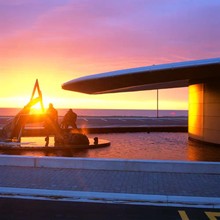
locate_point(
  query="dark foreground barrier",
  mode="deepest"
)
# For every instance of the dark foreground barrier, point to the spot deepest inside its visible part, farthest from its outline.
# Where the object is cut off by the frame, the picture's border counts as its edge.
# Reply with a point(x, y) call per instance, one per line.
point(41, 132)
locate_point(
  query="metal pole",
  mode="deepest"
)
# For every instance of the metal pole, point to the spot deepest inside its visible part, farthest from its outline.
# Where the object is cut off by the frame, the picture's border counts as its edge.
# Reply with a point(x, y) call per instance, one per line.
point(157, 103)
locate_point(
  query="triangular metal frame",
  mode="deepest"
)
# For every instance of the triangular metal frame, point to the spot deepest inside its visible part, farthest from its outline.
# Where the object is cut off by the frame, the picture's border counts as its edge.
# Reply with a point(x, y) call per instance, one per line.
point(39, 98)
point(14, 125)
point(32, 102)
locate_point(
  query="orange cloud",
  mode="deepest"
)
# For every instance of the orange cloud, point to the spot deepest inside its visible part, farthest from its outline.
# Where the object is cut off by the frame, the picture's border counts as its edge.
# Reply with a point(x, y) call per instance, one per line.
point(56, 41)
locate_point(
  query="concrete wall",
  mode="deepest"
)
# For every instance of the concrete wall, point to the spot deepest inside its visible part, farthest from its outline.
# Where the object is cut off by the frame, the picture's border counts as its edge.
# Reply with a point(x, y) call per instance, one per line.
point(204, 112)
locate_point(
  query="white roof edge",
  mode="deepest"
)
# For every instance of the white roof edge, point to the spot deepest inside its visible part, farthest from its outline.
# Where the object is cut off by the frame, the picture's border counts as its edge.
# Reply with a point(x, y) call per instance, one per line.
point(176, 65)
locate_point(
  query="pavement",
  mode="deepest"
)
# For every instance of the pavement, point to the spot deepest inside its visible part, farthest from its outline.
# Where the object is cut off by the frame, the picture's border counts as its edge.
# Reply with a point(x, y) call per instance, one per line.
point(108, 121)
point(159, 183)
point(119, 121)
point(108, 124)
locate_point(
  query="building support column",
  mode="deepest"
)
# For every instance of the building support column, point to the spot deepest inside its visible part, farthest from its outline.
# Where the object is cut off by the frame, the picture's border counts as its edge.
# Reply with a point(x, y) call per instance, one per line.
point(204, 111)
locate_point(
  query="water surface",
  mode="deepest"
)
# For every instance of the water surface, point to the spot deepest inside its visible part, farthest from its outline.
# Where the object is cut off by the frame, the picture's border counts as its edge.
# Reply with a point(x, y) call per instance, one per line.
point(139, 146)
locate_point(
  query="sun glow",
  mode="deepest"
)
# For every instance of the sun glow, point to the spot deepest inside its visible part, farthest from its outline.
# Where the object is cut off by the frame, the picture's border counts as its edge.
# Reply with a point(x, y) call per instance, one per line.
point(37, 109)
point(16, 92)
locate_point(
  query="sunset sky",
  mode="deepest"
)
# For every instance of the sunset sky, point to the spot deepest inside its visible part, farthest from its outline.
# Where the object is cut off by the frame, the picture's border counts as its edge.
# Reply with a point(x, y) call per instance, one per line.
point(55, 41)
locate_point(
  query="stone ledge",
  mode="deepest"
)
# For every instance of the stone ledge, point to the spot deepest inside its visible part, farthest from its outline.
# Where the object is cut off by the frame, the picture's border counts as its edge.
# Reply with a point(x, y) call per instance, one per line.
point(112, 164)
point(12, 160)
point(103, 197)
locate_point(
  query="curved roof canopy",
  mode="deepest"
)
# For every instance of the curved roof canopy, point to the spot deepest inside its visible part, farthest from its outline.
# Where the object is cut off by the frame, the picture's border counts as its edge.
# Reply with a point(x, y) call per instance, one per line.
point(171, 75)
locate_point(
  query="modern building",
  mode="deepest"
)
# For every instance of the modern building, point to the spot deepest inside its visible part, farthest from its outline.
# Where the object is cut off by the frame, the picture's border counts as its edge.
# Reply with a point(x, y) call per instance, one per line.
point(201, 76)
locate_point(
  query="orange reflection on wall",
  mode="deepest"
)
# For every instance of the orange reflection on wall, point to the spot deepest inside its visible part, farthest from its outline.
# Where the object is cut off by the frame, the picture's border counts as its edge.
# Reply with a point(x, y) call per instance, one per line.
point(196, 108)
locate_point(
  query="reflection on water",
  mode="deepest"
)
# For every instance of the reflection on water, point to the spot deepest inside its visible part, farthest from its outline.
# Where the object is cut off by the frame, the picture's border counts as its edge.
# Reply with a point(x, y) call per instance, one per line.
point(146, 146)
point(203, 152)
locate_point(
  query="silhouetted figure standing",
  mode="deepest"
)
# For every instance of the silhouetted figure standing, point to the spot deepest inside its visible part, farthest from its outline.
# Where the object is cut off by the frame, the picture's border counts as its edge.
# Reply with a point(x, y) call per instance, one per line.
point(51, 123)
point(69, 119)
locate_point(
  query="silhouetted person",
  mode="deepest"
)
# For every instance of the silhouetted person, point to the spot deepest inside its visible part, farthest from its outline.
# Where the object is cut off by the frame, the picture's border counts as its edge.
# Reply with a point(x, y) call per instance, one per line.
point(69, 119)
point(51, 123)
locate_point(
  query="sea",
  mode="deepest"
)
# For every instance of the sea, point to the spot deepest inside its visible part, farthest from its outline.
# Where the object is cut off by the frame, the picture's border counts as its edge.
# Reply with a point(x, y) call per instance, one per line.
point(109, 112)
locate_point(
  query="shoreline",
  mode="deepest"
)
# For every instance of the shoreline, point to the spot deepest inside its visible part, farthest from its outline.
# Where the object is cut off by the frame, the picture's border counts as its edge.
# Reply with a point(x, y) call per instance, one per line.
point(11, 112)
